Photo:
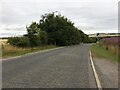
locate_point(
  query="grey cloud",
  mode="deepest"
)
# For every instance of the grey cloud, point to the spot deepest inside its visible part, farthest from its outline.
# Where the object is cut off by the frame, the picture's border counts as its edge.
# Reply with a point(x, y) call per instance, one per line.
point(89, 16)
point(14, 29)
point(96, 16)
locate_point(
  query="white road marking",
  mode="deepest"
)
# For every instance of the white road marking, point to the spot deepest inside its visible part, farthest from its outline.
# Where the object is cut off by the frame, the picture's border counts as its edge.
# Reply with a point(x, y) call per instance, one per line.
point(95, 74)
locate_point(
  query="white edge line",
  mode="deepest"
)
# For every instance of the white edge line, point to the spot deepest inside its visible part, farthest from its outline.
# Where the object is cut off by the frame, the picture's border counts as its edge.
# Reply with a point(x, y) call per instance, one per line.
point(31, 53)
point(95, 73)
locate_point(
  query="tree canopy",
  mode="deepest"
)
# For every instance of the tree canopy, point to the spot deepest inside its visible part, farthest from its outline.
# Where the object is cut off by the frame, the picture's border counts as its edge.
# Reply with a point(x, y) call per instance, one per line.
point(60, 30)
point(53, 29)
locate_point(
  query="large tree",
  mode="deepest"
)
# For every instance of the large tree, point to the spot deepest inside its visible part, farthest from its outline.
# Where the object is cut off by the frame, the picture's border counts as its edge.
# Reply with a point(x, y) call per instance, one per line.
point(61, 31)
point(52, 29)
point(36, 36)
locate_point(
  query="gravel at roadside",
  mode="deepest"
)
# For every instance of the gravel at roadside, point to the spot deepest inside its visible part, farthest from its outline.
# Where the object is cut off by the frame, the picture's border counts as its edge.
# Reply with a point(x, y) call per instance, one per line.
point(107, 72)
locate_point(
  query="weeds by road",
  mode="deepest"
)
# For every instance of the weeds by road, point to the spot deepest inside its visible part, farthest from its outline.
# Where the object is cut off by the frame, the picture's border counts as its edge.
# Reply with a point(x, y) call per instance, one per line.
point(100, 52)
point(12, 51)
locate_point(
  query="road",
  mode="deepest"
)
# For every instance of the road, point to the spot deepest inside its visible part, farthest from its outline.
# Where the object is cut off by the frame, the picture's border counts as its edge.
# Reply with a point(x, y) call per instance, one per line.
point(67, 67)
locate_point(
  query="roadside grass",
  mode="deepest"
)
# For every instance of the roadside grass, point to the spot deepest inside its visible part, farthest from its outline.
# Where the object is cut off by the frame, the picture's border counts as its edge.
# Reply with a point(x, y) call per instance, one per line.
point(100, 52)
point(12, 51)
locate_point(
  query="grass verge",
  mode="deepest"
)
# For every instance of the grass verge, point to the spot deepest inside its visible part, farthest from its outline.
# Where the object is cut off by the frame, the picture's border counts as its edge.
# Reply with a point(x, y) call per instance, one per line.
point(11, 51)
point(100, 52)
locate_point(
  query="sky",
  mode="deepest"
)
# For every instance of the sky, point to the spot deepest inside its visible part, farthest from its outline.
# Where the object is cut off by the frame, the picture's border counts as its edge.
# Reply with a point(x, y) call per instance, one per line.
point(91, 16)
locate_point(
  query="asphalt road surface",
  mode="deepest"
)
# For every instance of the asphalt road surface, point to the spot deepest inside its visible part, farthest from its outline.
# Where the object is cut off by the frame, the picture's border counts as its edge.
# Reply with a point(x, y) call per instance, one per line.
point(67, 67)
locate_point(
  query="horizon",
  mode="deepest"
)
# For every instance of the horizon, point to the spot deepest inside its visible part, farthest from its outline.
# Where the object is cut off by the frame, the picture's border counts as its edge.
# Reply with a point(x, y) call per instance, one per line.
point(25, 34)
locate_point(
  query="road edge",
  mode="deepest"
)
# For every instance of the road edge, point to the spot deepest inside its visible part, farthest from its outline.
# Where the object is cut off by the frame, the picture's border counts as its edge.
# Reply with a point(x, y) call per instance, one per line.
point(95, 73)
point(31, 53)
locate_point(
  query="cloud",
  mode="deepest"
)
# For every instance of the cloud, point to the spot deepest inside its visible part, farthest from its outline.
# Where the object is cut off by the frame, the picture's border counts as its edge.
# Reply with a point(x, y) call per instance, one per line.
point(89, 15)
point(12, 30)
point(94, 15)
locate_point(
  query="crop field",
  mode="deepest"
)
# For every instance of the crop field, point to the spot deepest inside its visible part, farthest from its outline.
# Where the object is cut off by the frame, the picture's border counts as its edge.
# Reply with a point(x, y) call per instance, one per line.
point(3, 41)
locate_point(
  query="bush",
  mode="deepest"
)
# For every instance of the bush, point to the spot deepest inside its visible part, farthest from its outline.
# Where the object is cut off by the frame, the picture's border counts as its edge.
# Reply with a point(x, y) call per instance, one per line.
point(19, 41)
point(36, 36)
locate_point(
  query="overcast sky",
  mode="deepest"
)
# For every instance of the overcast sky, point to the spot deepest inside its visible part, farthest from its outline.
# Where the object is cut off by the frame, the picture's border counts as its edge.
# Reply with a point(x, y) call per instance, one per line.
point(91, 16)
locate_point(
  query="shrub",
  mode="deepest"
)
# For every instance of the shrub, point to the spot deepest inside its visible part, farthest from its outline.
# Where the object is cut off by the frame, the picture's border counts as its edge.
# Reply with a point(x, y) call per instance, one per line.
point(19, 41)
point(112, 44)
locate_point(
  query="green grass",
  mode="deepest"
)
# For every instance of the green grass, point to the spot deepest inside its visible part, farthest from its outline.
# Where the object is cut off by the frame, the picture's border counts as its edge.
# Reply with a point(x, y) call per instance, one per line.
point(11, 51)
point(100, 52)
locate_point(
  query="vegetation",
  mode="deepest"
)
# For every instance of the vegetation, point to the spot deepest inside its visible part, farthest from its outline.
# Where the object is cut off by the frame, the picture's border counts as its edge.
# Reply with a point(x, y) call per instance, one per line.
point(11, 51)
point(100, 51)
point(19, 41)
point(112, 44)
point(108, 47)
point(52, 29)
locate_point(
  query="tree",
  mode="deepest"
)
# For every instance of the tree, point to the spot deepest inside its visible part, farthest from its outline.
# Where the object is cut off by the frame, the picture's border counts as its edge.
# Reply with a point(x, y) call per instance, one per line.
point(60, 30)
point(36, 36)
point(43, 37)
point(52, 29)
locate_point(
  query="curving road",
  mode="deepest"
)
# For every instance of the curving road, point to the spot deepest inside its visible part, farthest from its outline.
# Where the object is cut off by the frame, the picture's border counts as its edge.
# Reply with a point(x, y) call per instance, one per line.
point(68, 67)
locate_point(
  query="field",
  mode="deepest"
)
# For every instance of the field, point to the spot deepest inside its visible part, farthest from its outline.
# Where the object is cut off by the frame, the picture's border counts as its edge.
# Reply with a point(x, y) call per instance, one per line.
point(108, 48)
point(3, 41)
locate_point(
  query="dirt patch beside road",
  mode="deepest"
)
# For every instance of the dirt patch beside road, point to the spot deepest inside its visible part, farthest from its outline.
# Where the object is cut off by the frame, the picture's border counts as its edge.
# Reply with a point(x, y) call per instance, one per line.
point(107, 72)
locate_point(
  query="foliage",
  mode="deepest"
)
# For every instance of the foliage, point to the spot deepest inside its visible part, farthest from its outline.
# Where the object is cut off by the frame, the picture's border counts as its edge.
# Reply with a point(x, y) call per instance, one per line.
point(51, 29)
point(36, 36)
point(43, 38)
point(19, 41)
point(11, 51)
point(33, 34)
point(112, 40)
point(100, 52)
point(112, 44)
point(61, 31)
point(92, 40)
